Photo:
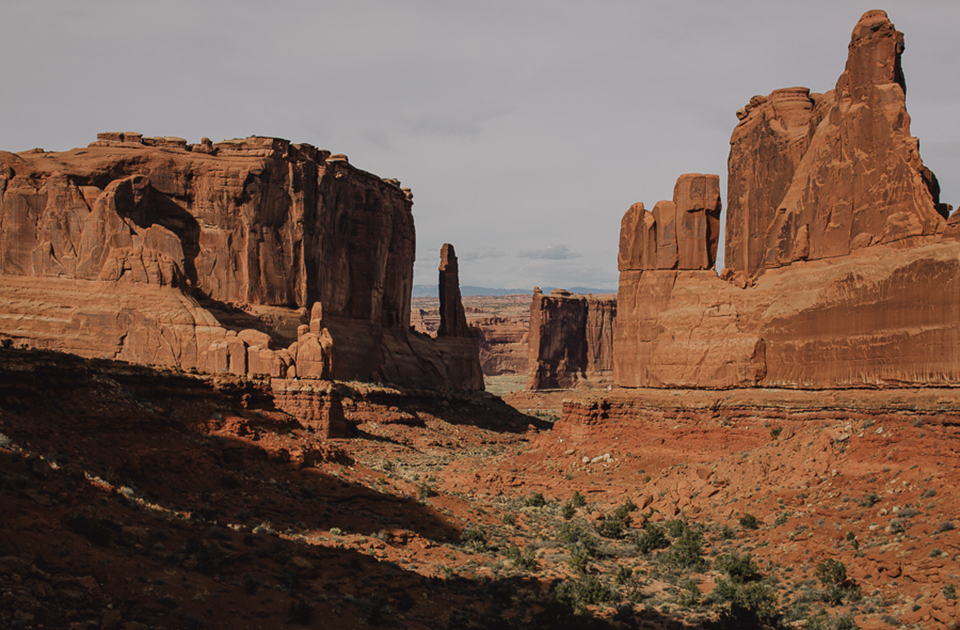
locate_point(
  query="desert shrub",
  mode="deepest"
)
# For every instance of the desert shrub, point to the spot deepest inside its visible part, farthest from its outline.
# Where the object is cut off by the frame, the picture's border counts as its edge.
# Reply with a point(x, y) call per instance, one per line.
point(524, 559)
point(474, 538)
point(624, 574)
point(824, 622)
point(686, 551)
point(567, 511)
point(651, 538)
point(676, 528)
point(749, 521)
point(945, 526)
point(950, 591)
point(572, 533)
point(577, 500)
point(832, 574)
point(579, 557)
point(610, 527)
point(535, 500)
point(775, 432)
point(781, 519)
point(586, 591)
point(510, 519)
point(751, 605)
point(689, 593)
point(740, 569)
point(870, 500)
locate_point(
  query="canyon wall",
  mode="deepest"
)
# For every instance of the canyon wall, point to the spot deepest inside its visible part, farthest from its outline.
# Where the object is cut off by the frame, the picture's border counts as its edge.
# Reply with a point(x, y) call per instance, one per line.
point(247, 256)
point(843, 269)
point(570, 339)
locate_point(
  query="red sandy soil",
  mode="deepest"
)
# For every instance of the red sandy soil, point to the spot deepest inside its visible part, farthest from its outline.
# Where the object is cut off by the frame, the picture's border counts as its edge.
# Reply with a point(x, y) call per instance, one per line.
point(140, 499)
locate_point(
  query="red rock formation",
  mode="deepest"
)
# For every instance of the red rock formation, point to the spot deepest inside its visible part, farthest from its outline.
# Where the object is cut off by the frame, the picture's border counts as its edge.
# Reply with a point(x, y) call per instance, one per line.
point(193, 229)
point(453, 319)
point(678, 234)
point(316, 407)
point(570, 339)
point(819, 175)
point(842, 277)
point(503, 345)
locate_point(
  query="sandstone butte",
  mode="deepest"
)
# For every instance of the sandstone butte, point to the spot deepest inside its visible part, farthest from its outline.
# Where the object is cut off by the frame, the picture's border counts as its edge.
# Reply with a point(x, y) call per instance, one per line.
point(842, 266)
point(571, 340)
point(255, 256)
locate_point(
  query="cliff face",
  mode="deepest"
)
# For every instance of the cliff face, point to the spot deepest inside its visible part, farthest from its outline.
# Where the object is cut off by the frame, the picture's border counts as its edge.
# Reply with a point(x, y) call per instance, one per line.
point(571, 339)
point(816, 176)
point(195, 230)
point(841, 268)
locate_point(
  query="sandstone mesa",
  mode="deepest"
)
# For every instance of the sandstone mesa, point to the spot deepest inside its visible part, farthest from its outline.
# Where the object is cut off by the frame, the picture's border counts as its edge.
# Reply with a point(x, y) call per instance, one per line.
point(255, 256)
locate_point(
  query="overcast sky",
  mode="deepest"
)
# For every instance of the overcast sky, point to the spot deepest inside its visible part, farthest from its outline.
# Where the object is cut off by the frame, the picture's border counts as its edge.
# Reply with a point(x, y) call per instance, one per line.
point(525, 128)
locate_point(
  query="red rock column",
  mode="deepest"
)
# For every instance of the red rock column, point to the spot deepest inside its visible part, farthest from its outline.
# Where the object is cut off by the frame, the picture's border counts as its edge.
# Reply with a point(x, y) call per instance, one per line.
point(453, 319)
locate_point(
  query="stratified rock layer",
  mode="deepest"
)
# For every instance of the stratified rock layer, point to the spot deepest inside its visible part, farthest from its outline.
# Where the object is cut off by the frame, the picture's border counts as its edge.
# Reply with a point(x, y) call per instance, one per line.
point(136, 246)
point(571, 339)
point(841, 271)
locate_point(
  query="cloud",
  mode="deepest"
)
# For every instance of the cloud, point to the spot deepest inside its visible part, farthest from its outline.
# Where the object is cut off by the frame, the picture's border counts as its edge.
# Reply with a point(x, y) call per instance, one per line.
point(554, 252)
point(481, 253)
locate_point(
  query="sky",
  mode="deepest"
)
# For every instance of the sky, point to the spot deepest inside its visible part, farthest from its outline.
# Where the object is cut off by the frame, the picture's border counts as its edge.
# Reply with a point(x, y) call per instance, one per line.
point(525, 128)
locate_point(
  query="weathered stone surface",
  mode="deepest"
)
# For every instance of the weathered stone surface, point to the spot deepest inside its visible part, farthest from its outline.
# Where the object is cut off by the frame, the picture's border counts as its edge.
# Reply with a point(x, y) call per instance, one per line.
point(258, 222)
point(841, 271)
point(816, 176)
point(315, 404)
point(453, 319)
point(571, 339)
point(678, 234)
point(864, 320)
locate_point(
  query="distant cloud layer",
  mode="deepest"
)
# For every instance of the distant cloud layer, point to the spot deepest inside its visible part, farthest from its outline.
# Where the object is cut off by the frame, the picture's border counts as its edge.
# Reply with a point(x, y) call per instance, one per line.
point(554, 252)
point(481, 253)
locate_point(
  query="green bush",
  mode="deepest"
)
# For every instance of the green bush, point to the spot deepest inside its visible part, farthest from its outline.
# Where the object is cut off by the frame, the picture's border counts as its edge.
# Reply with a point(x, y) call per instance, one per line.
point(535, 500)
point(610, 527)
point(740, 569)
point(587, 591)
point(624, 574)
point(474, 538)
point(567, 511)
point(579, 557)
point(749, 521)
point(833, 576)
point(686, 551)
point(842, 622)
point(870, 500)
point(676, 528)
point(572, 533)
point(651, 538)
point(831, 572)
point(752, 605)
point(577, 500)
point(524, 559)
